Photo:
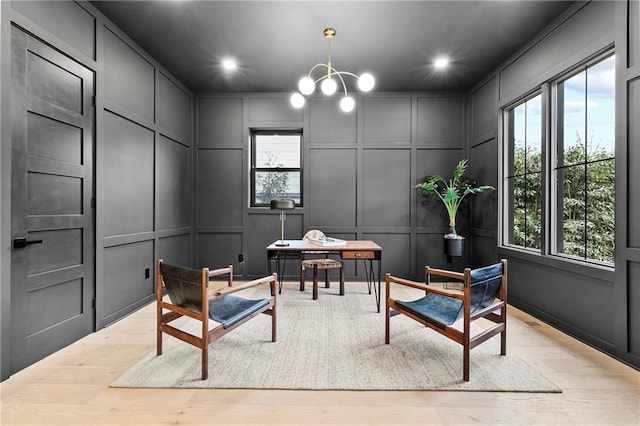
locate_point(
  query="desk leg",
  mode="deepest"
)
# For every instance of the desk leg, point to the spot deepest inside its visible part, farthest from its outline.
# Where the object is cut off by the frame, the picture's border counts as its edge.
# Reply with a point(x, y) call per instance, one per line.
point(367, 273)
point(379, 283)
point(279, 269)
point(371, 279)
point(373, 282)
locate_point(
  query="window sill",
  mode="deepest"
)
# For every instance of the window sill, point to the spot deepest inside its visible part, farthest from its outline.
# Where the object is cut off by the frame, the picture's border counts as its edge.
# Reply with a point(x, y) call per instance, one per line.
point(601, 272)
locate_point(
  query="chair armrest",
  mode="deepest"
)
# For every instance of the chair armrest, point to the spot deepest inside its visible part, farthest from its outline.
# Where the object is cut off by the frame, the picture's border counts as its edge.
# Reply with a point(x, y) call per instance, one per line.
point(220, 271)
point(226, 290)
point(425, 287)
point(444, 273)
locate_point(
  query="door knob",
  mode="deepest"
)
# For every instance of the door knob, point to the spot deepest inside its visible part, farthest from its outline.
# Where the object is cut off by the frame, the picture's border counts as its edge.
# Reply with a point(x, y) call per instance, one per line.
point(23, 242)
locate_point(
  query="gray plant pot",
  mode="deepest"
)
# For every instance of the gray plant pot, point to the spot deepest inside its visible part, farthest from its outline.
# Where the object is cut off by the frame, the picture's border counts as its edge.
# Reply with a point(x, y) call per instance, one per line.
point(454, 246)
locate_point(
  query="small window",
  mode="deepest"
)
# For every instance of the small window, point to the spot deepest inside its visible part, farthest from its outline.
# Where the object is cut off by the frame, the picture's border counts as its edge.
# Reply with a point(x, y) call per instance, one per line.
point(276, 166)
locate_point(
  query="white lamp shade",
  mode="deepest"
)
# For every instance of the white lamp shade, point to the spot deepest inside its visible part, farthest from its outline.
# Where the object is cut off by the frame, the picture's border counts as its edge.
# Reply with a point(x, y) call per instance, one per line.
point(347, 104)
point(366, 82)
point(297, 100)
point(306, 85)
point(329, 86)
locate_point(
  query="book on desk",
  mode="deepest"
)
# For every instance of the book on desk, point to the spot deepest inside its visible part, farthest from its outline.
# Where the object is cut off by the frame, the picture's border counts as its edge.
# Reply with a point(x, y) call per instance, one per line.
point(327, 242)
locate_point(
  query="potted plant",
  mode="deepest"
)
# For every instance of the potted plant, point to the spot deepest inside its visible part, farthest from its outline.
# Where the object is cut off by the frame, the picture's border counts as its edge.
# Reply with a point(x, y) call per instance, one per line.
point(451, 192)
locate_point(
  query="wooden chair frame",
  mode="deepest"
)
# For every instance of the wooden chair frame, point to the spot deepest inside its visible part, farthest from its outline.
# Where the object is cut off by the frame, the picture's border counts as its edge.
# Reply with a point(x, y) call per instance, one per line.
point(463, 337)
point(207, 336)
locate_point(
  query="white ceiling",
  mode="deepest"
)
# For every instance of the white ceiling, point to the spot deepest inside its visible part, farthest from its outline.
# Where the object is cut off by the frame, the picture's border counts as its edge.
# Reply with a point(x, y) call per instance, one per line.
point(276, 42)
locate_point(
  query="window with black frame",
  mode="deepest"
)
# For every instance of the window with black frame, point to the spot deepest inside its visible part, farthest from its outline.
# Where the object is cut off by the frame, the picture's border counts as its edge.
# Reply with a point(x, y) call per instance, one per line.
point(559, 166)
point(523, 177)
point(276, 166)
point(584, 169)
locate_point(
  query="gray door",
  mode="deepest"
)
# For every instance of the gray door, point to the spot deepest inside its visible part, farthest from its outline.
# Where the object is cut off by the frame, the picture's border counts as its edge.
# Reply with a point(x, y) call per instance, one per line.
point(52, 260)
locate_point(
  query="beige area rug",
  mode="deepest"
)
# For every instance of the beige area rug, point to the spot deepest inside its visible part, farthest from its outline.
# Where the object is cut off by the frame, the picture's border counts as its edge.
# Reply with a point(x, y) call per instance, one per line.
point(333, 343)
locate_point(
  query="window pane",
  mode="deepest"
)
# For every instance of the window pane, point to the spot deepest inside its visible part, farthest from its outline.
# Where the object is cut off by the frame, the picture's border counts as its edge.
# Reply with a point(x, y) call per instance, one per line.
point(277, 151)
point(533, 209)
point(586, 170)
point(270, 185)
point(534, 134)
point(572, 107)
point(525, 162)
point(601, 110)
point(518, 222)
point(600, 210)
point(572, 205)
point(519, 138)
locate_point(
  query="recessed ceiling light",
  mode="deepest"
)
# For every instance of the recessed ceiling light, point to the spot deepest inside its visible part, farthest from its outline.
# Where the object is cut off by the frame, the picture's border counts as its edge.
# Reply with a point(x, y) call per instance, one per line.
point(441, 63)
point(229, 64)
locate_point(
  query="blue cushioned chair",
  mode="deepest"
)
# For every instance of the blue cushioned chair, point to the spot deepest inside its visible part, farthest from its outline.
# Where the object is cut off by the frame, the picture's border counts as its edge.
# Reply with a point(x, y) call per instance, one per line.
point(483, 295)
point(189, 296)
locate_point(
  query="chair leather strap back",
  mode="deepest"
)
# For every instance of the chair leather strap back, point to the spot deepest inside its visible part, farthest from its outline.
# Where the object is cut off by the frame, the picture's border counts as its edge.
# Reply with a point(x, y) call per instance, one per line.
point(184, 286)
point(485, 286)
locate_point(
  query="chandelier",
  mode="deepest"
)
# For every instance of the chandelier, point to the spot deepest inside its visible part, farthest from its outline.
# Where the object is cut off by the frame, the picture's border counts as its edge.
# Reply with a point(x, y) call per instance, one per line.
point(307, 84)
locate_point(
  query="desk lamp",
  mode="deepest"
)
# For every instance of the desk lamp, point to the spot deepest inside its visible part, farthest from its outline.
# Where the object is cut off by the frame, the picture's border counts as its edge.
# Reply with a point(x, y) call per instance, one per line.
point(282, 204)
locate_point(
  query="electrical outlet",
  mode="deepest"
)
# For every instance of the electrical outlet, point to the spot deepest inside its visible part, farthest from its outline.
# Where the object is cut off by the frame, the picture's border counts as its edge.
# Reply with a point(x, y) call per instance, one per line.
point(240, 257)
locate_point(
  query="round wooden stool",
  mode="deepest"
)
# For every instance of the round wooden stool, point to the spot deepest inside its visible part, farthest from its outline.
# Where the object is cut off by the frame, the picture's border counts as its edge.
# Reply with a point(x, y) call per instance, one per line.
point(321, 264)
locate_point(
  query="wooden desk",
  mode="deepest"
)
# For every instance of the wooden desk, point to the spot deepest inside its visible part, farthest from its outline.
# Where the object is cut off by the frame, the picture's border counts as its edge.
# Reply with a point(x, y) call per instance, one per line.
point(364, 250)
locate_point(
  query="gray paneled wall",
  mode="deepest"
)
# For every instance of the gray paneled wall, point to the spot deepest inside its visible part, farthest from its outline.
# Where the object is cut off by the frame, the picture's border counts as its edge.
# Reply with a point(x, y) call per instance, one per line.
point(143, 163)
point(144, 196)
point(634, 160)
point(437, 118)
point(483, 119)
point(330, 169)
point(74, 24)
point(328, 124)
point(173, 112)
point(632, 214)
point(483, 167)
point(128, 79)
point(219, 182)
point(598, 305)
point(575, 298)
point(126, 283)
point(569, 42)
point(128, 173)
point(174, 185)
point(386, 187)
point(387, 120)
point(634, 33)
point(219, 177)
point(358, 172)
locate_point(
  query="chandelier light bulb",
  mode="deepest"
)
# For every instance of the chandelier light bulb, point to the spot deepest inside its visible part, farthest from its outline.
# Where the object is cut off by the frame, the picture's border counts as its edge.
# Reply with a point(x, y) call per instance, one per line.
point(347, 104)
point(306, 85)
point(329, 86)
point(297, 100)
point(366, 82)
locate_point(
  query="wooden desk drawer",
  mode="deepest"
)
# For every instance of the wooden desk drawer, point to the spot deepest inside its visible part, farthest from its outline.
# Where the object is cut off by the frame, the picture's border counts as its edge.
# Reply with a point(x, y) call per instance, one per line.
point(358, 254)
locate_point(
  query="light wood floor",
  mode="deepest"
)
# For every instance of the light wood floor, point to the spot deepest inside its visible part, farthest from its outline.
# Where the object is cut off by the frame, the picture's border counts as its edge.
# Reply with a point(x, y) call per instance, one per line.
point(72, 387)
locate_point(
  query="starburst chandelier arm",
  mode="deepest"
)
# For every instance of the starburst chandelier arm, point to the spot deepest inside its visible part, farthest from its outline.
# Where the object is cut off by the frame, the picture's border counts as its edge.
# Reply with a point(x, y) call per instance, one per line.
point(356, 76)
point(338, 73)
point(313, 69)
